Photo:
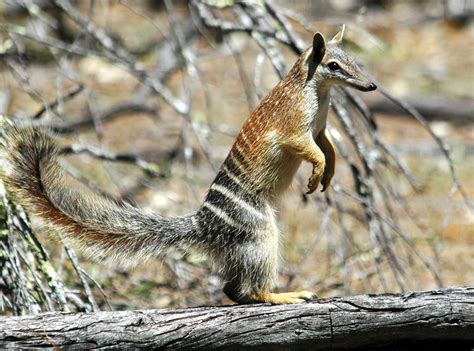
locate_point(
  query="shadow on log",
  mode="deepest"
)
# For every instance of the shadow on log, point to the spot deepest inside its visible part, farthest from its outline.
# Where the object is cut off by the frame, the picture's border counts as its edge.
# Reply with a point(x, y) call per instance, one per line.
point(440, 319)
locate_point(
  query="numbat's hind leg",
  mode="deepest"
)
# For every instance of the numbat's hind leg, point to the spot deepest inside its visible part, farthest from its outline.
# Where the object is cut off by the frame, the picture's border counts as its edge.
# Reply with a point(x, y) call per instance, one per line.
point(252, 270)
point(283, 298)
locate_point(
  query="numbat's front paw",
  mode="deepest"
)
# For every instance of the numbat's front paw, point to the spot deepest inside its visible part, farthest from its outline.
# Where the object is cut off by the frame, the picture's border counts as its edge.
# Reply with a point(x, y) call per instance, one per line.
point(313, 182)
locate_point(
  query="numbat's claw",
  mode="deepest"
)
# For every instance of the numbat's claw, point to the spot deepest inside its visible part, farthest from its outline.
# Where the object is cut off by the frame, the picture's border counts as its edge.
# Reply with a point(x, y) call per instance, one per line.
point(313, 183)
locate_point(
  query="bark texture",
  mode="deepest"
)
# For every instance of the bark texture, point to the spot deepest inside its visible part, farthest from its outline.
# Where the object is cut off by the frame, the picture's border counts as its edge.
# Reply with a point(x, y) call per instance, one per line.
point(414, 320)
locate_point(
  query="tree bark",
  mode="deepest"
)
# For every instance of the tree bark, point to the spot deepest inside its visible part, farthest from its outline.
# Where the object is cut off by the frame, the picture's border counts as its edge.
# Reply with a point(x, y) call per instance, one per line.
point(414, 320)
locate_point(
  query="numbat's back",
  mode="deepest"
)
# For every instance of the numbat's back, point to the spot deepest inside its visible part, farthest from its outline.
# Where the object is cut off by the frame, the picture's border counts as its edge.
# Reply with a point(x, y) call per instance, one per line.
point(235, 226)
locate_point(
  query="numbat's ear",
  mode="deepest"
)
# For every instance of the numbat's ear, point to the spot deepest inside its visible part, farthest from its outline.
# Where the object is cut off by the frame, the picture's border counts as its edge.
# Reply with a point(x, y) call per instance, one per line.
point(338, 37)
point(316, 55)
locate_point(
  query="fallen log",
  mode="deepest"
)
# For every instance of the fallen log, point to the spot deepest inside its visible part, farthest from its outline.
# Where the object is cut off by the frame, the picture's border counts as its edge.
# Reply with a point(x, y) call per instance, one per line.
point(432, 108)
point(413, 320)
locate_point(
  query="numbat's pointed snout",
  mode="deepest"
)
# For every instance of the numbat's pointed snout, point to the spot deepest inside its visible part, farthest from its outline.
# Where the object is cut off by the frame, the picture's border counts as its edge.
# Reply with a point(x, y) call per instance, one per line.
point(370, 87)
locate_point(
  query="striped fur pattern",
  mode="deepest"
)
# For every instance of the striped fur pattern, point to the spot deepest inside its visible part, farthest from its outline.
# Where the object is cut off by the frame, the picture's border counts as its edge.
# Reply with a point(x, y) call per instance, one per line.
point(236, 225)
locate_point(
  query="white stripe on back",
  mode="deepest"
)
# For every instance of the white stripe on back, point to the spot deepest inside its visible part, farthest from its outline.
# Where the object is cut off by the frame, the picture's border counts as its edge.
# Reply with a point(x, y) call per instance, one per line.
point(222, 215)
point(237, 200)
point(232, 176)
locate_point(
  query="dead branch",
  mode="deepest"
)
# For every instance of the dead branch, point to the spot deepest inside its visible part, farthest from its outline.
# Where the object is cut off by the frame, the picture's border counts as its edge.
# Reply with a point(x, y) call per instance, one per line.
point(432, 108)
point(417, 319)
point(149, 168)
point(69, 95)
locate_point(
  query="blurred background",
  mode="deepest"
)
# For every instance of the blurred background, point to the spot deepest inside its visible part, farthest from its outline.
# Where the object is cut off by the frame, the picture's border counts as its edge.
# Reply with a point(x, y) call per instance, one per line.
point(146, 98)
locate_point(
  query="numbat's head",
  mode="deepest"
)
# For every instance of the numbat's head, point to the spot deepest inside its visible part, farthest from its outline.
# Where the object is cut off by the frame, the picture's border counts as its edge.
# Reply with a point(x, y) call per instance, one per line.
point(328, 64)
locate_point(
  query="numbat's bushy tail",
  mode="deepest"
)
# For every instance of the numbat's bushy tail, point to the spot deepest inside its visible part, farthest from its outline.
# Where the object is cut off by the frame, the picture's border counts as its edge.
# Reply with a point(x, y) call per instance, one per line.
point(107, 228)
point(235, 226)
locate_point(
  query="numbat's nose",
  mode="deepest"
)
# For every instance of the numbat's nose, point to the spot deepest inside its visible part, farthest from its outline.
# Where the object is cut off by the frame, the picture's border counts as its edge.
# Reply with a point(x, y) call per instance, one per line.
point(371, 87)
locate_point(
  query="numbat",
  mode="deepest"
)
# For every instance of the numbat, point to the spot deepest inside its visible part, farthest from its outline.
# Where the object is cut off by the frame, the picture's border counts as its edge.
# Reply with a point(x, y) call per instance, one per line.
point(235, 226)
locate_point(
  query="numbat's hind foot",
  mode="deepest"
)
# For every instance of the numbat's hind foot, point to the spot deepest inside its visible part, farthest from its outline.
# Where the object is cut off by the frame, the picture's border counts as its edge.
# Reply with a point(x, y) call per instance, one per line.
point(284, 298)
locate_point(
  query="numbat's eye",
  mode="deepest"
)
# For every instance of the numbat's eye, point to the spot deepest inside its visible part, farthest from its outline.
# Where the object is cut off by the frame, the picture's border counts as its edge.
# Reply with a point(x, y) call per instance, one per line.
point(333, 66)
